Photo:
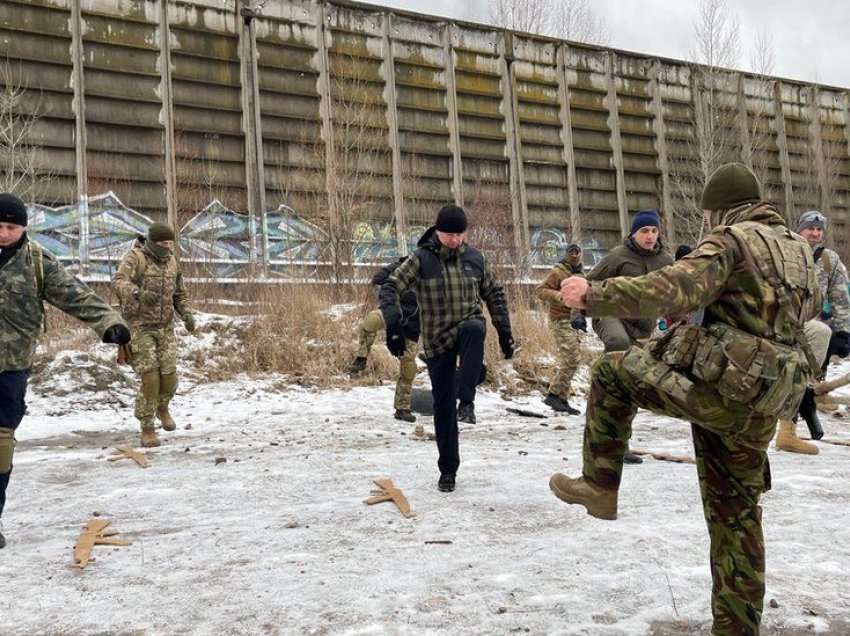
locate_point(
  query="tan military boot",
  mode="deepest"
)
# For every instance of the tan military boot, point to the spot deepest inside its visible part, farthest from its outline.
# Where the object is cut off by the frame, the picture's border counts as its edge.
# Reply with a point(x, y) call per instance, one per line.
point(599, 503)
point(149, 438)
point(787, 440)
point(168, 423)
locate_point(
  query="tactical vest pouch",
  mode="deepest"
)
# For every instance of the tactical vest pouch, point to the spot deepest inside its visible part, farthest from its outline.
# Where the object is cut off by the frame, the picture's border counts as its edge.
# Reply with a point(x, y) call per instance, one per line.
point(641, 364)
point(678, 346)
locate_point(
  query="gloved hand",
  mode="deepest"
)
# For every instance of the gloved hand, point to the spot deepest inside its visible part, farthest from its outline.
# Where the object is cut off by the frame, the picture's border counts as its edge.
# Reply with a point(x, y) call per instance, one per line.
point(506, 343)
point(189, 321)
point(147, 297)
point(579, 323)
point(839, 344)
point(395, 338)
point(116, 334)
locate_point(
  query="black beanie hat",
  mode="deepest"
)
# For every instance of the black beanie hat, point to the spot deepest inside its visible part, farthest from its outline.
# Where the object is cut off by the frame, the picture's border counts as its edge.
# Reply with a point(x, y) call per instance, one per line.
point(730, 185)
point(452, 219)
point(12, 209)
point(160, 232)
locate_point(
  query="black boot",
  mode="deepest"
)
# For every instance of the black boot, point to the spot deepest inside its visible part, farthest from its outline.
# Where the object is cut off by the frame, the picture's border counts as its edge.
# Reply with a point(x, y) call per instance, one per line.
point(446, 482)
point(631, 458)
point(809, 411)
point(2, 541)
point(356, 366)
point(405, 415)
point(466, 412)
point(560, 405)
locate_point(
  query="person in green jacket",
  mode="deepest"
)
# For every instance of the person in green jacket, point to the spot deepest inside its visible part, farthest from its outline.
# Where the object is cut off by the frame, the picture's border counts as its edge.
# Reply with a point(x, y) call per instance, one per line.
point(30, 276)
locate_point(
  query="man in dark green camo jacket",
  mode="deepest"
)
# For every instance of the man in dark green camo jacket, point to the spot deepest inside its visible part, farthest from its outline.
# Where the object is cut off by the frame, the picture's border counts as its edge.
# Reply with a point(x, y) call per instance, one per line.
point(746, 365)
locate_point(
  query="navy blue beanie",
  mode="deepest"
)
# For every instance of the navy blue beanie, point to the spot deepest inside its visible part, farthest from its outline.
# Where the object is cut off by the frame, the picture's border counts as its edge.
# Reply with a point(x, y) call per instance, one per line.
point(645, 218)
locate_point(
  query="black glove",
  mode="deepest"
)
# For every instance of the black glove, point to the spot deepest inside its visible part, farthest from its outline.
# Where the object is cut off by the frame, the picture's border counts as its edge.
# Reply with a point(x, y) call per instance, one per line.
point(506, 343)
point(395, 338)
point(579, 324)
point(839, 344)
point(116, 334)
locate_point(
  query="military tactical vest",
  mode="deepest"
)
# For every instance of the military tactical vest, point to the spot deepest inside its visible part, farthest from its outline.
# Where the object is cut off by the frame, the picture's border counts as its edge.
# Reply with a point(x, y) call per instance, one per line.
point(770, 374)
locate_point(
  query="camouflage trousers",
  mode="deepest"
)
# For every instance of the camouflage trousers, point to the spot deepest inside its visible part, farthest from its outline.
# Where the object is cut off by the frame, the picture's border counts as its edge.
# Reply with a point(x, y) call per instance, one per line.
point(155, 362)
point(370, 327)
point(567, 343)
point(730, 443)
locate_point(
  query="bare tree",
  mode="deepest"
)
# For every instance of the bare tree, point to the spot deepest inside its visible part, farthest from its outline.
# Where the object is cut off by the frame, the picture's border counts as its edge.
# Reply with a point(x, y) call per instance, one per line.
point(717, 35)
point(20, 170)
point(575, 20)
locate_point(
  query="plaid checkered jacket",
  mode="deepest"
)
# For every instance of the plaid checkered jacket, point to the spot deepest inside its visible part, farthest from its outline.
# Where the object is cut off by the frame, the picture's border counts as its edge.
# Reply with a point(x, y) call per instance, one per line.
point(450, 285)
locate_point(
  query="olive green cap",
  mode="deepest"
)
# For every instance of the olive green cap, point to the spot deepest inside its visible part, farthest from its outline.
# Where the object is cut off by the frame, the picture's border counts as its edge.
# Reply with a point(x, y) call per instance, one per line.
point(730, 185)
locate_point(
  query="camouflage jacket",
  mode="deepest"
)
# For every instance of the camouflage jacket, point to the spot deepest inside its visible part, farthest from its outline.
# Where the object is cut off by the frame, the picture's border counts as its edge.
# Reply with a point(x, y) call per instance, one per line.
point(22, 312)
point(450, 285)
point(141, 271)
point(717, 276)
point(549, 291)
point(629, 259)
point(832, 282)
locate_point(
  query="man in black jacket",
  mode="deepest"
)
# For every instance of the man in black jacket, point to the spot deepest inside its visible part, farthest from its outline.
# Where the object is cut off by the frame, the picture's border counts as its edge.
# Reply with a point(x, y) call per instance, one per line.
point(451, 279)
point(373, 323)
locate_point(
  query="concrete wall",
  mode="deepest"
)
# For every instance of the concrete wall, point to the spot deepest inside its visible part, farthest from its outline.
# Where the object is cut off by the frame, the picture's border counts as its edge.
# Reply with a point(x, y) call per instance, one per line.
point(351, 115)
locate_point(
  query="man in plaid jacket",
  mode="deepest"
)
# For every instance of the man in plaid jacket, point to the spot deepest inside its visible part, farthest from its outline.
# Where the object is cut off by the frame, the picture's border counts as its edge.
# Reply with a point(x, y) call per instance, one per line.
point(450, 279)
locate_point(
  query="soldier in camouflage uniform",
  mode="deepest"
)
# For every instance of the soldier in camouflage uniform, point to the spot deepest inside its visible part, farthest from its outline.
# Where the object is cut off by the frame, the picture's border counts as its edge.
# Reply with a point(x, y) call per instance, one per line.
point(150, 287)
point(450, 279)
point(828, 335)
point(373, 323)
point(565, 325)
point(732, 377)
point(28, 277)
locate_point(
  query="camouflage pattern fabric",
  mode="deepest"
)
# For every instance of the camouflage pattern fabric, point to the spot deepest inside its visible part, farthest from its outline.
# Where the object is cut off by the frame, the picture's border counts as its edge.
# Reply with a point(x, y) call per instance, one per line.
point(735, 271)
point(370, 327)
point(21, 311)
point(140, 271)
point(154, 360)
point(730, 443)
point(832, 282)
point(567, 349)
point(549, 290)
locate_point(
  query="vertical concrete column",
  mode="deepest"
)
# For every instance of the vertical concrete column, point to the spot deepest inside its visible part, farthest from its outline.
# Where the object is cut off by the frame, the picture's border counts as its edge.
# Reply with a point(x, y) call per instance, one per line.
point(251, 126)
point(616, 143)
point(816, 146)
point(326, 114)
point(743, 124)
point(79, 108)
point(391, 101)
point(661, 148)
point(567, 151)
point(167, 119)
point(782, 145)
point(847, 121)
point(452, 119)
point(513, 144)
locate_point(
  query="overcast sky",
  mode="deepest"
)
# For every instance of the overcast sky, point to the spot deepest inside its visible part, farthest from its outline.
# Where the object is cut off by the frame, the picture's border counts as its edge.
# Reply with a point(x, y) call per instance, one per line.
point(811, 37)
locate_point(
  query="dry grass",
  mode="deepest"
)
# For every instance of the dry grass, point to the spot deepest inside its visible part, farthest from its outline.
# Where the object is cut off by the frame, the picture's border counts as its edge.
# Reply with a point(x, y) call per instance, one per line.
point(309, 334)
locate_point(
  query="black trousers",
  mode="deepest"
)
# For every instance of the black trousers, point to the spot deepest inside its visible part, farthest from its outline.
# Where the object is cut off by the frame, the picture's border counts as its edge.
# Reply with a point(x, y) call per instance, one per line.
point(442, 368)
point(13, 389)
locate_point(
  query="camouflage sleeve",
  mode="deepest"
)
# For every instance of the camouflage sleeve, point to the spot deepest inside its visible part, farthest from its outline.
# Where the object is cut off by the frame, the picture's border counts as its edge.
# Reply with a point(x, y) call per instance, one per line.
point(693, 282)
point(839, 297)
point(401, 279)
point(122, 281)
point(549, 291)
point(181, 300)
point(75, 298)
point(494, 295)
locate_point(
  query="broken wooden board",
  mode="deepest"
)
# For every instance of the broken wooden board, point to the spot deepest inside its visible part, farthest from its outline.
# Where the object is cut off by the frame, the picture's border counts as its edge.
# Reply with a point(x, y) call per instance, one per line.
point(526, 413)
point(834, 442)
point(387, 491)
point(821, 388)
point(93, 534)
point(666, 457)
point(126, 452)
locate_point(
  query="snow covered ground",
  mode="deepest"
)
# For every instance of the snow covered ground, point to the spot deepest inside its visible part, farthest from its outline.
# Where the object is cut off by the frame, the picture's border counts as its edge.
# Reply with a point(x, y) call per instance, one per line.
point(277, 539)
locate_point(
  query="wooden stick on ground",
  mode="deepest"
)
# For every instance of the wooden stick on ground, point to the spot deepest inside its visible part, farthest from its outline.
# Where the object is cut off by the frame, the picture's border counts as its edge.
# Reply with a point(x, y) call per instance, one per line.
point(666, 457)
point(126, 452)
point(388, 492)
point(93, 534)
point(825, 387)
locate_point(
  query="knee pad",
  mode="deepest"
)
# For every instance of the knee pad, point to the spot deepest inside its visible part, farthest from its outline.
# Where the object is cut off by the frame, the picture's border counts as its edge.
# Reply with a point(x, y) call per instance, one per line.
point(7, 449)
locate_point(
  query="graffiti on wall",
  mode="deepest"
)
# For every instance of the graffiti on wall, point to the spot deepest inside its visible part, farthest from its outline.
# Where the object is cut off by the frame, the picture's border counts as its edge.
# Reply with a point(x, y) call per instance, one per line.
point(219, 239)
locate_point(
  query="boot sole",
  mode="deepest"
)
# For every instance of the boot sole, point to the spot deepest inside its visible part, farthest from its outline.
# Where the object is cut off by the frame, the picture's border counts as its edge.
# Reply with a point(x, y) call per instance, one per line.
point(572, 499)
